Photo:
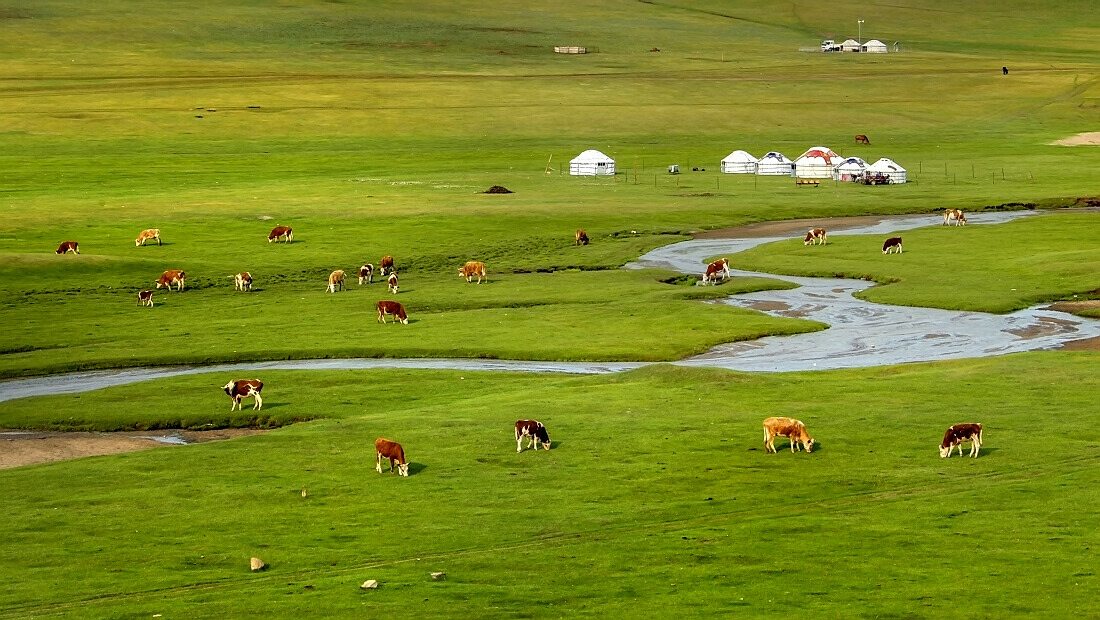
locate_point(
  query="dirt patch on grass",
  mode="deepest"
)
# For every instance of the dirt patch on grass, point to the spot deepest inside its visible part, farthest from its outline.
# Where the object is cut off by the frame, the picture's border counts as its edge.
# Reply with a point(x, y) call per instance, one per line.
point(1088, 138)
point(1087, 344)
point(1074, 307)
point(19, 448)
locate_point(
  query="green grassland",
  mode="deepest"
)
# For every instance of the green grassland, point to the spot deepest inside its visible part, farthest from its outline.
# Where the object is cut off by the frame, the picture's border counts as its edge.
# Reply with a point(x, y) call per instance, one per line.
point(988, 269)
point(657, 494)
point(373, 128)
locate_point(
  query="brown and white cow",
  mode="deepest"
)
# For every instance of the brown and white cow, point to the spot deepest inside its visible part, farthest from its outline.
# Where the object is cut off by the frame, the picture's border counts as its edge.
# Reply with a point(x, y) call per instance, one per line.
point(720, 267)
point(471, 269)
point(335, 279)
point(145, 298)
point(535, 431)
point(386, 449)
point(954, 216)
point(892, 244)
point(959, 434)
point(815, 236)
point(580, 237)
point(68, 246)
point(281, 232)
point(146, 235)
point(786, 427)
point(244, 388)
point(170, 277)
point(386, 264)
point(394, 309)
point(391, 282)
point(243, 281)
point(366, 272)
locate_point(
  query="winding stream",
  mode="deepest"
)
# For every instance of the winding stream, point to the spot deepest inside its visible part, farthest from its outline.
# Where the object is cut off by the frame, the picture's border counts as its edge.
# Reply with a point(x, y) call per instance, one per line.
point(860, 334)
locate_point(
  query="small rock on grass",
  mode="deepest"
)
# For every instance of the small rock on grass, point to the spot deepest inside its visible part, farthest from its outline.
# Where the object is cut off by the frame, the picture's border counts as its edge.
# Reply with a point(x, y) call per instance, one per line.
point(370, 584)
point(438, 576)
point(258, 564)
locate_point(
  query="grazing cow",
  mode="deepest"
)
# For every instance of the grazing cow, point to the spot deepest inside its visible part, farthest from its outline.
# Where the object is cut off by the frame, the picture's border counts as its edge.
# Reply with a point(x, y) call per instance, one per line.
point(244, 388)
point(170, 277)
point(392, 282)
point(386, 449)
point(396, 310)
point(954, 216)
point(893, 243)
point(68, 246)
point(862, 139)
point(366, 272)
point(146, 235)
point(581, 237)
point(720, 267)
point(385, 265)
point(957, 435)
point(335, 279)
point(535, 431)
point(145, 298)
point(281, 232)
point(815, 236)
point(471, 269)
point(243, 281)
point(786, 427)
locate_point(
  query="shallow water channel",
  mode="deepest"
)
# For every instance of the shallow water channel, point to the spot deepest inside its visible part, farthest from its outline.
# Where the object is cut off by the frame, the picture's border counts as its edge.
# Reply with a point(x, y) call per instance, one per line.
point(861, 333)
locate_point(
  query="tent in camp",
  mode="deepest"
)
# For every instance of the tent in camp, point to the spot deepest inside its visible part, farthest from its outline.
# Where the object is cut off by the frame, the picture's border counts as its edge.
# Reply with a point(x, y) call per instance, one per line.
point(850, 169)
point(849, 45)
point(816, 163)
point(889, 168)
point(874, 46)
point(739, 162)
point(590, 163)
point(773, 164)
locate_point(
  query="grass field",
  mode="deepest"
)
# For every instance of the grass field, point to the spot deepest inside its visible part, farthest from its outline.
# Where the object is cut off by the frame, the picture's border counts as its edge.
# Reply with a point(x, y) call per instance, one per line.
point(657, 494)
point(372, 128)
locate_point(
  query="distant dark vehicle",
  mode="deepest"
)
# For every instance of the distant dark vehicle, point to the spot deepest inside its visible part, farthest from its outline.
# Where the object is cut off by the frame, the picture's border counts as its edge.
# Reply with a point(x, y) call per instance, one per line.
point(875, 178)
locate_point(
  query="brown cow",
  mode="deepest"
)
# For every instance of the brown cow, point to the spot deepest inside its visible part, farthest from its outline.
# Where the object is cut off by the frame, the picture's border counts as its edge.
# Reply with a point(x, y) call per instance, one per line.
point(954, 216)
point(244, 388)
point(170, 277)
point(957, 435)
point(386, 449)
point(394, 309)
point(862, 139)
point(242, 281)
point(893, 243)
point(68, 246)
point(534, 430)
point(471, 269)
point(385, 264)
point(816, 235)
point(284, 232)
point(335, 279)
point(391, 282)
point(786, 427)
point(366, 272)
point(145, 298)
point(581, 237)
point(150, 233)
point(720, 267)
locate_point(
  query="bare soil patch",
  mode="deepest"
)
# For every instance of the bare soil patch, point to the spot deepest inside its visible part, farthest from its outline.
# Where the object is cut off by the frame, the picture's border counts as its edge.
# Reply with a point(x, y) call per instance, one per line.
point(1088, 138)
point(789, 227)
point(1074, 307)
point(19, 448)
point(1087, 344)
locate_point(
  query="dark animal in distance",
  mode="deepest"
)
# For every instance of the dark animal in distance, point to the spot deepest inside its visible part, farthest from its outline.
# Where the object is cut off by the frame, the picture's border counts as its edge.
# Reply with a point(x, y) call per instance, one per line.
point(862, 139)
point(959, 434)
point(68, 246)
point(1004, 70)
point(891, 244)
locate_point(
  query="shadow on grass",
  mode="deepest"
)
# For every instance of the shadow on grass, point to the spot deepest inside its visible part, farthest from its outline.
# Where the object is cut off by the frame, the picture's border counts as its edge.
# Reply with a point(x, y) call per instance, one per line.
point(415, 468)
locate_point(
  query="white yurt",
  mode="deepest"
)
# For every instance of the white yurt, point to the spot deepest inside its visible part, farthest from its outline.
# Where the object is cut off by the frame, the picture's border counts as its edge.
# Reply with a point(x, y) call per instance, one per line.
point(773, 164)
point(849, 45)
point(890, 168)
point(850, 170)
point(816, 163)
point(874, 46)
point(739, 162)
point(590, 163)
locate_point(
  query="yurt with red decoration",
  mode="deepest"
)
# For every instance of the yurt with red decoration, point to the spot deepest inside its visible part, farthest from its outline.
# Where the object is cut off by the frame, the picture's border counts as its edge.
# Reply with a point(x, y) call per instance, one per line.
point(816, 163)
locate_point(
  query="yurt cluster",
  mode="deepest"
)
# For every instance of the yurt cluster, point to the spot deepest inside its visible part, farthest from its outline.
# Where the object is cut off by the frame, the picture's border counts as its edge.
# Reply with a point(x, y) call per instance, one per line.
point(817, 162)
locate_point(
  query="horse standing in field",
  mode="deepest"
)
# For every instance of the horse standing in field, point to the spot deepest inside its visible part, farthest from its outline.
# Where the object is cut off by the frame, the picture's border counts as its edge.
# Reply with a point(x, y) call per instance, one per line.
point(862, 139)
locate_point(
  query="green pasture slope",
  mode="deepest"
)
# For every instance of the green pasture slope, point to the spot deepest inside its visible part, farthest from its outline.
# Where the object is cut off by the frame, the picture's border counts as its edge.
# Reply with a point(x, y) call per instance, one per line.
point(656, 496)
point(372, 129)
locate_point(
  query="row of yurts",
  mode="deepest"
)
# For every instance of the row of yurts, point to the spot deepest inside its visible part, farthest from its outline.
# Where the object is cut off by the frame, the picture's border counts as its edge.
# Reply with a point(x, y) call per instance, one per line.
point(818, 162)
